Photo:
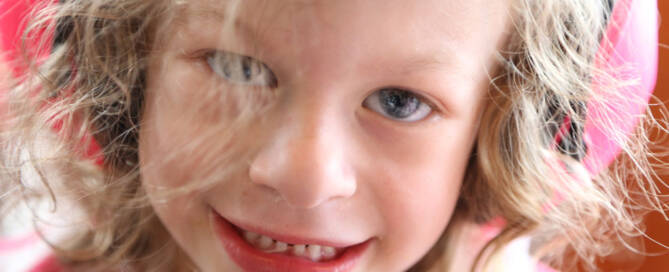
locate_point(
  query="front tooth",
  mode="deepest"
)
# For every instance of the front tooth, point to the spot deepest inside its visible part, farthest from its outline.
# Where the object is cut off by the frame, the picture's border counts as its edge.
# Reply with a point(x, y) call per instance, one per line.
point(299, 250)
point(328, 252)
point(266, 242)
point(251, 236)
point(315, 252)
point(281, 246)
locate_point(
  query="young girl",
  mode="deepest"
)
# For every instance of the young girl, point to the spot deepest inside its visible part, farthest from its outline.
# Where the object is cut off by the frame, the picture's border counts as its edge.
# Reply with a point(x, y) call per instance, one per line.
point(432, 135)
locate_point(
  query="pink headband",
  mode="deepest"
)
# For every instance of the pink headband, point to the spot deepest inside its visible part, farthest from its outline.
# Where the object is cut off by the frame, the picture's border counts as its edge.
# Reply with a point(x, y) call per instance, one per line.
point(632, 42)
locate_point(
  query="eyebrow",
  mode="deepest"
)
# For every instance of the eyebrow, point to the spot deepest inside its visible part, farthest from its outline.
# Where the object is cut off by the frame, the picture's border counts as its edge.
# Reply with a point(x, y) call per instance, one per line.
point(218, 15)
point(200, 12)
point(429, 62)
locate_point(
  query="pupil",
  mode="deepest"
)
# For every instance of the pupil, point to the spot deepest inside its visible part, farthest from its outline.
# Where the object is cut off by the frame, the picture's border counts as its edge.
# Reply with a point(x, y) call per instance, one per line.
point(398, 103)
point(246, 65)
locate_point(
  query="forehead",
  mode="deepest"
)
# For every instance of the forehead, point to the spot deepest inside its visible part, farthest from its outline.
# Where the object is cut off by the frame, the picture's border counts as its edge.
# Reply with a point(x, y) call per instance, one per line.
point(453, 17)
point(452, 27)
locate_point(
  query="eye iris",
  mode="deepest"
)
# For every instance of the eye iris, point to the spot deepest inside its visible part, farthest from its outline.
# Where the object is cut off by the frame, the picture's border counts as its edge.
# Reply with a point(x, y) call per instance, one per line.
point(398, 103)
point(226, 69)
point(240, 69)
point(246, 67)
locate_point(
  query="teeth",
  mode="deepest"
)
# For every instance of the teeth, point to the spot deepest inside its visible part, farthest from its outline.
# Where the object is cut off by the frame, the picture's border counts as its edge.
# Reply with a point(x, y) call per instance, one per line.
point(314, 252)
point(266, 242)
point(251, 236)
point(281, 247)
point(329, 252)
point(299, 250)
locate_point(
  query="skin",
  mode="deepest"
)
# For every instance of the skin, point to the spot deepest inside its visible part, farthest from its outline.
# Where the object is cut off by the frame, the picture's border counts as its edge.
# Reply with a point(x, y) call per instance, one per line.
point(319, 162)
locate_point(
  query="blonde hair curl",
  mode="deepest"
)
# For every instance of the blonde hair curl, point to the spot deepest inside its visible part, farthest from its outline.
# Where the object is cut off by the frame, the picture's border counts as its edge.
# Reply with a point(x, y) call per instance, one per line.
point(92, 82)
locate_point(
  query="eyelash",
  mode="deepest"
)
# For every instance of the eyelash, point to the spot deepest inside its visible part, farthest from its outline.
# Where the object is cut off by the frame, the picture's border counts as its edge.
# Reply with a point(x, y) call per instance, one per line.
point(381, 101)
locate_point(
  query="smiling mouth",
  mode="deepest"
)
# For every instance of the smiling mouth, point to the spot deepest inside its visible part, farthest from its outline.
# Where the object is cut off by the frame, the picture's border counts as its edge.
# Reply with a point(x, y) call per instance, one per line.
point(312, 252)
point(254, 251)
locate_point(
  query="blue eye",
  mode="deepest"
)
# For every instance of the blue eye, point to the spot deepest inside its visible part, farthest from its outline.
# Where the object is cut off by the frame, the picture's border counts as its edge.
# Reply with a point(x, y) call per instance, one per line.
point(240, 69)
point(398, 104)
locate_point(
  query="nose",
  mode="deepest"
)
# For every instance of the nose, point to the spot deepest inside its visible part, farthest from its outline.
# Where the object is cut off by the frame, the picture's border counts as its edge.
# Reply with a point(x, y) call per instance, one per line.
point(304, 161)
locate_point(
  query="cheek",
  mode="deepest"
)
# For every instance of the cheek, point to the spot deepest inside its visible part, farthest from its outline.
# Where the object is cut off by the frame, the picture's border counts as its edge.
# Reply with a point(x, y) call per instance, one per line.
point(169, 151)
point(185, 217)
point(418, 211)
point(171, 159)
point(417, 190)
point(184, 133)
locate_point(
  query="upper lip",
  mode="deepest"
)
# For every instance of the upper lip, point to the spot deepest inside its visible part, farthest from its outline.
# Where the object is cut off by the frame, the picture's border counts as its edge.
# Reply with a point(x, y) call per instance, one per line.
point(290, 238)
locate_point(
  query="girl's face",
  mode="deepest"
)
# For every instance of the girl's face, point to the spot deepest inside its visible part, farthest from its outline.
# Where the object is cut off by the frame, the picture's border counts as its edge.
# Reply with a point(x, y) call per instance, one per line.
point(358, 160)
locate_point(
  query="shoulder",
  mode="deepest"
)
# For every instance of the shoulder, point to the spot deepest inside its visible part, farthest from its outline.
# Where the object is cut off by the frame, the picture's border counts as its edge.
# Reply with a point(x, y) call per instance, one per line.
point(471, 238)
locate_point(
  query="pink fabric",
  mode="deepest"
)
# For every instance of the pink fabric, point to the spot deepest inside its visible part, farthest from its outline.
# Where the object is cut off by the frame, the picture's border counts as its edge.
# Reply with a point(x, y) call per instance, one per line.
point(11, 13)
point(12, 26)
point(8, 245)
point(633, 43)
point(49, 264)
point(544, 268)
point(27, 252)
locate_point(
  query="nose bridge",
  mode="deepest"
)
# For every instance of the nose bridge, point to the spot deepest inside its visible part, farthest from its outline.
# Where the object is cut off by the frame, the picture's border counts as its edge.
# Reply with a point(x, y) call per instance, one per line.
point(305, 161)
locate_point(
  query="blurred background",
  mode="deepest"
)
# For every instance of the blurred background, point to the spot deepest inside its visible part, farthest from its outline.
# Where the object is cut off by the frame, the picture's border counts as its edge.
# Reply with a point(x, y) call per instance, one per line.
point(657, 226)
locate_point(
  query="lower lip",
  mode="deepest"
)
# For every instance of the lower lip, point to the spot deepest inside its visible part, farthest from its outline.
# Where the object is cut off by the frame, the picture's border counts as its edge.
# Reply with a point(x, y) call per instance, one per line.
point(251, 259)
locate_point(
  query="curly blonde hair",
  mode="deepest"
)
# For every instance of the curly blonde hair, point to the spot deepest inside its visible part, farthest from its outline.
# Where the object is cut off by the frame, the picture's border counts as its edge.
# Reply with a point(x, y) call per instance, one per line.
point(91, 85)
